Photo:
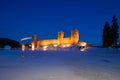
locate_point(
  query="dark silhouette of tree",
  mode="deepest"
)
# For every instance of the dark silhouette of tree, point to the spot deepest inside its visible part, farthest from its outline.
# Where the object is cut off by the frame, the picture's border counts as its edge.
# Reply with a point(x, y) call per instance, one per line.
point(111, 34)
point(115, 31)
point(106, 37)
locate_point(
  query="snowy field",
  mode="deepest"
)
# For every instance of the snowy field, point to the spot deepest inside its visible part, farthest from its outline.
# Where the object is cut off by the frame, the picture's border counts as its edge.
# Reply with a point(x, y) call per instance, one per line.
point(92, 64)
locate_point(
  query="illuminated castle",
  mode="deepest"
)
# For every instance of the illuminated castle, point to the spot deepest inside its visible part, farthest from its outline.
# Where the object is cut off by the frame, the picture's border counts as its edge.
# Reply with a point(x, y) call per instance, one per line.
point(61, 40)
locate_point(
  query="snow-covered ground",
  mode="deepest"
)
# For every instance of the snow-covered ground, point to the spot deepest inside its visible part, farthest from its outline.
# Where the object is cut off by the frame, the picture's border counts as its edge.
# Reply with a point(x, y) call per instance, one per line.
point(92, 64)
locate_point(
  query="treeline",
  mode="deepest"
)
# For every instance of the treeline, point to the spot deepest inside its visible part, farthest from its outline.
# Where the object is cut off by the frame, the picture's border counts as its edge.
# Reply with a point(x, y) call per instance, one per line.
point(9, 42)
point(110, 35)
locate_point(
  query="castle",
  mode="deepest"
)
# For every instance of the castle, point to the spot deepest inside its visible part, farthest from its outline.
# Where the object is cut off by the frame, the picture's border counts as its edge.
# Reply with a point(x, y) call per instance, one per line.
point(61, 40)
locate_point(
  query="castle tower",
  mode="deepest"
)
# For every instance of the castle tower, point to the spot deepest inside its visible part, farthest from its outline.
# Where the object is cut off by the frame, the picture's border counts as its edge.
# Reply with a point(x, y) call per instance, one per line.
point(60, 37)
point(74, 36)
point(34, 41)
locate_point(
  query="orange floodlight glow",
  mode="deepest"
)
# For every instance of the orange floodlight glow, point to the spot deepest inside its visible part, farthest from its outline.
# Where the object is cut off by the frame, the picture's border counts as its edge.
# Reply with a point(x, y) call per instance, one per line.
point(63, 46)
point(82, 43)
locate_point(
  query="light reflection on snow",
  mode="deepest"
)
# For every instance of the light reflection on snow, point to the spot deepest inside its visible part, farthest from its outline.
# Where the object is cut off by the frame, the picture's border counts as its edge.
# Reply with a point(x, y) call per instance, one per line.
point(82, 49)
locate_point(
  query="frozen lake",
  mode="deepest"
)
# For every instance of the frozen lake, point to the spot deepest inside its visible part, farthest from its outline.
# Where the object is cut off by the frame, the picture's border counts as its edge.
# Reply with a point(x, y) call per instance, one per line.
point(92, 64)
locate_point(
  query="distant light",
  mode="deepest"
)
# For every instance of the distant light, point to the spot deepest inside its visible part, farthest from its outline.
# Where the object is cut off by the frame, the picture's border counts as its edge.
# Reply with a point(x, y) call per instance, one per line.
point(45, 48)
point(63, 46)
point(33, 47)
point(55, 45)
point(68, 45)
point(83, 44)
point(23, 47)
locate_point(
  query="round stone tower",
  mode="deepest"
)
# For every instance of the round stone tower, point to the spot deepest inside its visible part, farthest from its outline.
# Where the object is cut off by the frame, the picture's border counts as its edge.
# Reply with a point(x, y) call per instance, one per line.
point(34, 41)
point(74, 36)
point(60, 37)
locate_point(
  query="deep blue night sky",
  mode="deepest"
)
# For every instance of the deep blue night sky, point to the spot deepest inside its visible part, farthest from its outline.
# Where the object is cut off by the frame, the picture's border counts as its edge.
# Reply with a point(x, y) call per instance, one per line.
point(45, 18)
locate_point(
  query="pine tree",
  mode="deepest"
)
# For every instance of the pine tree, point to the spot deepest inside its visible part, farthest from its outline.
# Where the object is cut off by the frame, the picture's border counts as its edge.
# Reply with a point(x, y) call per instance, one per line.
point(115, 31)
point(106, 37)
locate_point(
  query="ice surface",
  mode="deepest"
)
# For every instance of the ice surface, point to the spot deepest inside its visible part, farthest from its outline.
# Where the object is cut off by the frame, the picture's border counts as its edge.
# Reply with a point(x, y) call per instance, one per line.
point(92, 64)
